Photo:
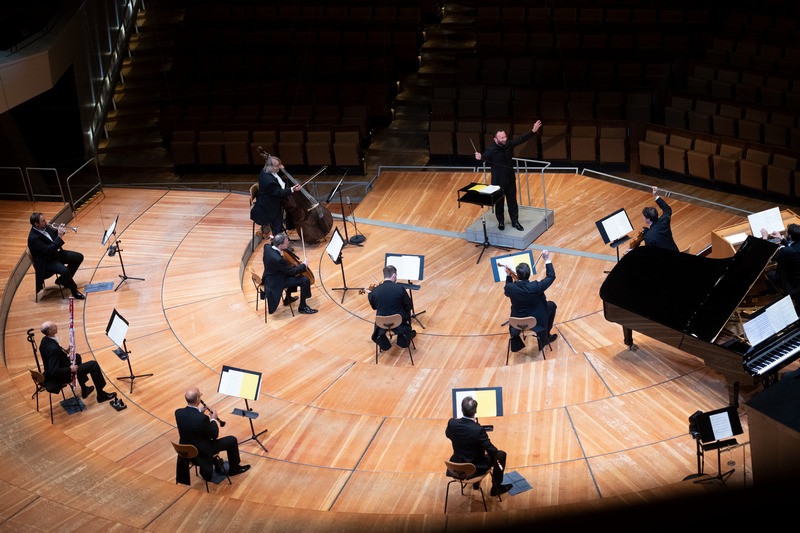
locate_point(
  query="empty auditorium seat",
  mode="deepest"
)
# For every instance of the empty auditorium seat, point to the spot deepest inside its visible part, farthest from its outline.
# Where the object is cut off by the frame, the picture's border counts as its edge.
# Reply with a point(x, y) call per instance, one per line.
point(726, 163)
point(781, 174)
point(613, 144)
point(753, 168)
point(675, 153)
point(698, 159)
point(651, 149)
point(237, 148)
point(468, 137)
point(699, 119)
point(724, 122)
point(751, 126)
point(554, 141)
point(209, 147)
point(583, 143)
point(675, 112)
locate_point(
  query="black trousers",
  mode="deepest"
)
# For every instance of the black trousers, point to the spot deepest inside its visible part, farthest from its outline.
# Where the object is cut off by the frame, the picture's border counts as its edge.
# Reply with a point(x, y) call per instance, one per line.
point(510, 194)
point(542, 334)
point(87, 369)
point(498, 466)
point(66, 267)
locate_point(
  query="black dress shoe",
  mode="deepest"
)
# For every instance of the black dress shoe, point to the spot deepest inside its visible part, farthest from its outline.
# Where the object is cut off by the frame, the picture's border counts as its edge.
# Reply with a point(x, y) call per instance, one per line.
point(503, 489)
point(289, 300)
point(501, 226)
point(552, 338)
point(476, 486)
point(105, 396)
point(78, 295)
point(58, 281)
point(518, 226)
point(306, 310)
point(241, 469)
point(86, 391)
point(262, 295)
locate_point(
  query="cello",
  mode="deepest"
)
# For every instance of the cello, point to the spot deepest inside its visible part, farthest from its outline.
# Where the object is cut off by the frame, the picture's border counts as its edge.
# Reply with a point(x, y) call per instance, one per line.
point(307, 214)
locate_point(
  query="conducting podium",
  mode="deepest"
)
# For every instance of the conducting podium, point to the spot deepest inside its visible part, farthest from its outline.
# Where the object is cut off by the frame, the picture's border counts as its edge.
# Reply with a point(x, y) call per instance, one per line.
point(244, 384)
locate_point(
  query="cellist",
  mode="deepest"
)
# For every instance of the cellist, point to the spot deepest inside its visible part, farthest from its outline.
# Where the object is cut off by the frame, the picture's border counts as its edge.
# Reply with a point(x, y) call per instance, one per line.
point(272, 191)
point(282, 271)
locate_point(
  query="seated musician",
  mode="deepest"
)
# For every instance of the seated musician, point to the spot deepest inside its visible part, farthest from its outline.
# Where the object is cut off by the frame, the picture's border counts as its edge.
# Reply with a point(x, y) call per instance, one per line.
point(786, 275)
point(528, 299)
point(280, 273)
point(657, 232)
point(272, 190)
point(387, 299)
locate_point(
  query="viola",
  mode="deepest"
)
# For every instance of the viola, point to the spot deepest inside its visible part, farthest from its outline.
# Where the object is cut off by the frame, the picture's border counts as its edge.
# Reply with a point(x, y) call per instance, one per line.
point(368, 289)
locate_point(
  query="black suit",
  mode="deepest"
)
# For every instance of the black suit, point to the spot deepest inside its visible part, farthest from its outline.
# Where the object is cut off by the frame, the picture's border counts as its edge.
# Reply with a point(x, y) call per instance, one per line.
point(471, 444)
point(528, 299)
point(387, 299)
point(50, 258)
point(659, 234)
point(267, 211)
point(786, 276)
point(197, 429)
point(501, 161)
point(57, 371)
point(280, 274)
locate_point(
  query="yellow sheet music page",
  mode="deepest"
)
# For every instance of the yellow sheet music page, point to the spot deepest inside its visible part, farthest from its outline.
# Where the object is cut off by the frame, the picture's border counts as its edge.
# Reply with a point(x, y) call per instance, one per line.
point(477, 187)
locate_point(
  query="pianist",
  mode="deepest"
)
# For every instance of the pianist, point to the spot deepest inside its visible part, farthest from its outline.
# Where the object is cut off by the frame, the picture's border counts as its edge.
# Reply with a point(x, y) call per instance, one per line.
point(387, 299)
point(785, 278)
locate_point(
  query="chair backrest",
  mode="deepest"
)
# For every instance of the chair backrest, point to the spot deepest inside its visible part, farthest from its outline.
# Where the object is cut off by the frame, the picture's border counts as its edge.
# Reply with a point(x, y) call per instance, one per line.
point(460, 470)
point(187, 451)
point(37, 377)
point(257, 282)
point(388, 321)
point(526, 323)
point(253, 193)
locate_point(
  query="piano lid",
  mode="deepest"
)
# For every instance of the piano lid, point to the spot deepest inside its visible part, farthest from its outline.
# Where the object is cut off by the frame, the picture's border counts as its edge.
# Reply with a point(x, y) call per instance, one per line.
point(691, 294)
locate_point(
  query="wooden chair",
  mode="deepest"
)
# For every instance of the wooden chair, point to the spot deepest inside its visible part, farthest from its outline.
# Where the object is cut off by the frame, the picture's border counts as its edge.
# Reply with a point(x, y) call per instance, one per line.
point(253, 195)
point(388, 322)
point(189, 453)
point(258, 283)
point(47, 276)
point(464, 474)
point(525, 325)
point(51, 388)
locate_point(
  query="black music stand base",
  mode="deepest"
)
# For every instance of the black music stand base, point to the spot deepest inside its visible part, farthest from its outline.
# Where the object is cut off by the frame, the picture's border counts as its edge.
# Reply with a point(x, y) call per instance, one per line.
point(250, 415)
point(414, 315)
point(486, 244)
point(124, 277)
point(345, 288)
point(124, 354)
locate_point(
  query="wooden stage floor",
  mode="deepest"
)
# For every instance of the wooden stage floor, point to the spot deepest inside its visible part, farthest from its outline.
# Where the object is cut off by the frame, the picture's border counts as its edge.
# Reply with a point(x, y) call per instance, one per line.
point(350, 443)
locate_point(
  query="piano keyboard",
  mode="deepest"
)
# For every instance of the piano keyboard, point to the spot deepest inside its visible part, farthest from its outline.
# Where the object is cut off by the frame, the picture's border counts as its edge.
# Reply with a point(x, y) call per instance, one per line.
point(783, 353)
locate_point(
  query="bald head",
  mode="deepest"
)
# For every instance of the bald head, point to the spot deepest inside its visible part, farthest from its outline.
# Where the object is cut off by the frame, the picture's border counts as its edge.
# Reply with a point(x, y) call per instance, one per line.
point(192, 396)
point(49, 328)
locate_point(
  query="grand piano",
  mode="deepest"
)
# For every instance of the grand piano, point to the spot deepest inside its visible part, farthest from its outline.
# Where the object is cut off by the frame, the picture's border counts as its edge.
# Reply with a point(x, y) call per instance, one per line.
point(689, 302)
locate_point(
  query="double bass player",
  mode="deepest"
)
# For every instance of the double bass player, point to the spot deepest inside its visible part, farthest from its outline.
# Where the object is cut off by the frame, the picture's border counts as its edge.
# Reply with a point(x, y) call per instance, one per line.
point(272, 191)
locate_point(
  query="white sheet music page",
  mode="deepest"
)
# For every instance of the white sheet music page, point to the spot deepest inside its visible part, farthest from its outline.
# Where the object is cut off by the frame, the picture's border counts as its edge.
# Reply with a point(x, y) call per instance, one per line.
point(721, 426)
point(617, 226)
point(776, 317)
point(770, 220)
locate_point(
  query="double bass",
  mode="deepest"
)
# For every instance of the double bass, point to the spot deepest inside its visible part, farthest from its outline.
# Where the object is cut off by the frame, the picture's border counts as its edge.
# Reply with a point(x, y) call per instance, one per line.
point(306, 213)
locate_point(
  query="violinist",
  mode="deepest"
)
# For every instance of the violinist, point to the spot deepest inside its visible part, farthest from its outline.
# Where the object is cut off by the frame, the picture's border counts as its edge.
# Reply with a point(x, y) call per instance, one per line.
point(282, 271)
point(657, 231)
point(272, 191)
point(389, 298)
point(528, 299)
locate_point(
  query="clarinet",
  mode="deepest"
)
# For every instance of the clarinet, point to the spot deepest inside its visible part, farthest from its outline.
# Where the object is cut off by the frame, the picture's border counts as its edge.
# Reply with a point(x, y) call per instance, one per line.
point(221, 422)
point(74, 381)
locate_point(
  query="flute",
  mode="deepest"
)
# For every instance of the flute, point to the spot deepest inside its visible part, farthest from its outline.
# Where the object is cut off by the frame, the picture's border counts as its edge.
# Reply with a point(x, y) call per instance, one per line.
point(221, 421)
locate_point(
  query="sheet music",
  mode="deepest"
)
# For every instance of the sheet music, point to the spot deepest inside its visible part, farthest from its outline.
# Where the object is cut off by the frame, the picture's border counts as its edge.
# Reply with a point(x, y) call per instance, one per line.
point(770, 220)
point(117, 329)
point(737, 238)
point(617, 225)
point(485, 189)
point(408, 266)
point(776, 317)
point(240, 383)
point(721, 425)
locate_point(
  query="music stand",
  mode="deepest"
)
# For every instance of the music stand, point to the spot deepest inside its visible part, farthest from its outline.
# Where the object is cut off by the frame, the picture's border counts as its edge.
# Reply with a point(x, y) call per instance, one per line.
point(244, 384)
point(117, 330)
point(334, 251)
point(116, 249)
point(614, 229)
point(472, 194)
point(409, 267)
point(714, 430)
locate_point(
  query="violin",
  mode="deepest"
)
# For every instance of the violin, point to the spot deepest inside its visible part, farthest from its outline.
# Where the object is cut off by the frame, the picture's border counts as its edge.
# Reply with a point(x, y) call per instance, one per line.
point(511, 273)
point(368, 289)
point(637, 240)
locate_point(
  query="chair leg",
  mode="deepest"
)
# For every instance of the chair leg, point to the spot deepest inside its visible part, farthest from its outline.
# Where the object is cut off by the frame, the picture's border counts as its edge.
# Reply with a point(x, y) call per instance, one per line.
point(51, 407)
point(410, 355)
point(376, 353)
point(508, 350)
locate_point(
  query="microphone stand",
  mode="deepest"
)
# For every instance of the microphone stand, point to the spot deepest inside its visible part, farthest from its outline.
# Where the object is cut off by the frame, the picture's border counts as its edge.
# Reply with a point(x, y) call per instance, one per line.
point(347, 240)
point(356, 239)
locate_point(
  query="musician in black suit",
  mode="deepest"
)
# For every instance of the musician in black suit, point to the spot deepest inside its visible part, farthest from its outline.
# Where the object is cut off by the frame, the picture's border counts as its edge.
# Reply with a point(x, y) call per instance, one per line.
point(58, 370)
point(45, 244)
point(500, 157)
point(786, 276)
point(528, 299)
point(272, 190)
point(202, 432)
point(387, 299)
point(471, 444)
point(280, 274)
point(658, 232)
